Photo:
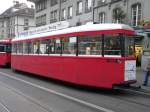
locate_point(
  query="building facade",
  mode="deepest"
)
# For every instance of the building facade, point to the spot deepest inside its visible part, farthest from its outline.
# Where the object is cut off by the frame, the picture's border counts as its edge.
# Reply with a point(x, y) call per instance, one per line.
point(76, 12)
point(79, 12)
point(16, 19)
point(132, 12)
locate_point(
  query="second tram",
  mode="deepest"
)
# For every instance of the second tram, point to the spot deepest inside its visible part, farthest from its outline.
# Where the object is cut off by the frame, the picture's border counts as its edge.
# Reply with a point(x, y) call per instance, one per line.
point(96, 55)
point(5, 52)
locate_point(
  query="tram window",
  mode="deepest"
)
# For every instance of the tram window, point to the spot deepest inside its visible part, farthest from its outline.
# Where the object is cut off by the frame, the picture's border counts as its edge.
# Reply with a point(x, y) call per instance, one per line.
point(29, 47)
point(8, 48)
point(14, 48)
point(112, 44)
point(2, 48)
point(129, 46)
point(25, 48)
point(52, 46)
point(58, 46)
point(19, 47)
point(44, 47)
point(90, 45)
point(69, 45)
point(36, 47)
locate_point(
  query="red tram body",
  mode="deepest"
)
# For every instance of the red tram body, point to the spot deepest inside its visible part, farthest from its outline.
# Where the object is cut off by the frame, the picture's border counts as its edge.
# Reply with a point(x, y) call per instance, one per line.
point(5, 52)
point(79, 55)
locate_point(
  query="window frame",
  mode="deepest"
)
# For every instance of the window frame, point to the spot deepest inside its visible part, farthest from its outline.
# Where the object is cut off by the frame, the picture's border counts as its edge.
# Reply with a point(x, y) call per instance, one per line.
point(135, 8)
point(70, 12)
point(79, 7)
point(97, 46)
point(102, 16)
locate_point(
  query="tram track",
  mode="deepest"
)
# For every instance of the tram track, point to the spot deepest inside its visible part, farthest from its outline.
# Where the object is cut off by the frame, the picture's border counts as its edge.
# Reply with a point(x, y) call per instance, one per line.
point(118, 96)
point(137, 90)
point(67, 97)
point(134, 91)
point(4, 108)
point(26, 97)
point(132, 101)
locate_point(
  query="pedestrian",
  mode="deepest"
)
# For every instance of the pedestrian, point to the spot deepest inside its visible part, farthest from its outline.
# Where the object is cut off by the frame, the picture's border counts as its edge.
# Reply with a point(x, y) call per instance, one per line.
point(147, 73)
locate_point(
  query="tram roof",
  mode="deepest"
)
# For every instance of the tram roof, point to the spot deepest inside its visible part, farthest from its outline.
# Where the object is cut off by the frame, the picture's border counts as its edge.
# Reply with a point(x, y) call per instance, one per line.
point(79, 29)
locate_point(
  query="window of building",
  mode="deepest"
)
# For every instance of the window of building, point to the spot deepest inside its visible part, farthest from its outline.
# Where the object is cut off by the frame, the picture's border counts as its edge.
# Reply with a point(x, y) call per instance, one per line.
point(116, 17)
point(41, 5)
point(69, 45)
point(88, 5)
point(112, 44)
point(90, 45)
point(102, 17)
point(63, 14)
point(41, 20)
point(26, 21)
point(136, 14)
point(53, 16)
point(3, 24)
point(70, 12)
point(79, 7)
point(54, 2)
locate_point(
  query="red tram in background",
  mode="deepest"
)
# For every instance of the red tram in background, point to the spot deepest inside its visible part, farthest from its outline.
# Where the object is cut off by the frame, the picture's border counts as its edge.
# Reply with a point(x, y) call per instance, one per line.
point(5, 52)
point(98, 55)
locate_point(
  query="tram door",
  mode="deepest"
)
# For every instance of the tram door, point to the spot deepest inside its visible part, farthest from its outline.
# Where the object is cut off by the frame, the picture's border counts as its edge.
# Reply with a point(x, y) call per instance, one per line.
point(112, 52)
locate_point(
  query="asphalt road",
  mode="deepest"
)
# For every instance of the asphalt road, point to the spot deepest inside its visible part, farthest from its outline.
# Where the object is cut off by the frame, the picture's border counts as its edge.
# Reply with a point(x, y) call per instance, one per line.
point(22, 92)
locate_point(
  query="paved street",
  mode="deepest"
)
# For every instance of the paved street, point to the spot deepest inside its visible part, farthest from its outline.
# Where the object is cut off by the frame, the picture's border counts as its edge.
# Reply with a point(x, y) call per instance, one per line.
point(89, 42)
point(21, 92)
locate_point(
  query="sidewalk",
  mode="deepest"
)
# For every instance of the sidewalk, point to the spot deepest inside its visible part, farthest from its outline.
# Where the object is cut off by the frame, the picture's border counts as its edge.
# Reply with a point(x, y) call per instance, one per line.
point(140, 75)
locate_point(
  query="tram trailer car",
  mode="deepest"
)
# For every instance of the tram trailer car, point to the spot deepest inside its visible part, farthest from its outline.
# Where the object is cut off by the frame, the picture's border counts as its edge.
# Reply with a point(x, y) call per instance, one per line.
point(98, 55)
point(5, 52)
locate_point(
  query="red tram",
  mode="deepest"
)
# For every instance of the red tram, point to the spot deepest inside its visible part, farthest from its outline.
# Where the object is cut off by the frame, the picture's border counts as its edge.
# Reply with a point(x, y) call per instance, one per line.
point(96, 55)
point(5, 52)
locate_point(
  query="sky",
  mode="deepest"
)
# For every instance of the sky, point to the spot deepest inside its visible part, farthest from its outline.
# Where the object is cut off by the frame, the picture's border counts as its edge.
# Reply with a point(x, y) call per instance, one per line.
point(5, 4)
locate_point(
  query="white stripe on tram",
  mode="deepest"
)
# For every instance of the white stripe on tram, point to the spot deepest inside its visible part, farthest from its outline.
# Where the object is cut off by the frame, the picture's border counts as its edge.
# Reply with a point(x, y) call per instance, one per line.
point(60, 94)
